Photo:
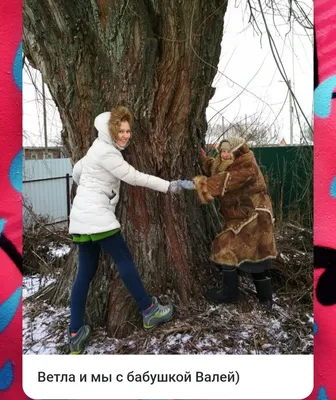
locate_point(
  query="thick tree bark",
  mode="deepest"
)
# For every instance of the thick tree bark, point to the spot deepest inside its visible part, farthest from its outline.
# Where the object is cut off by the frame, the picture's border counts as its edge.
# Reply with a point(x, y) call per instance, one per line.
point(159, 59)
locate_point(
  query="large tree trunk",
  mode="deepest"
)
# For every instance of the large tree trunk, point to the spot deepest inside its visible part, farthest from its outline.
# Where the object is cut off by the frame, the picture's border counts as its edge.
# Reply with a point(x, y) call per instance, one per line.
point(159, 59)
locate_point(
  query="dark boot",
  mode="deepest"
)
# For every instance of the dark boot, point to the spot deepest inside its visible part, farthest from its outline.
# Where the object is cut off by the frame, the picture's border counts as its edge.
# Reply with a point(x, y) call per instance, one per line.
point(229, 292)
point(264, 292)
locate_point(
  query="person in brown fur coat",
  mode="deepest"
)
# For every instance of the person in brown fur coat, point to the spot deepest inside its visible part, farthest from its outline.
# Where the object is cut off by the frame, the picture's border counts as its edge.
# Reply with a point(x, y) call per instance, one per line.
point(247, 240)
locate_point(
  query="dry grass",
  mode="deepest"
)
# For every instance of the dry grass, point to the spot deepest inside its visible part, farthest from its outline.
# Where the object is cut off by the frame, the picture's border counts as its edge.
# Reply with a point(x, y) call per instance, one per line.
point(198, 328)
point(37, 242)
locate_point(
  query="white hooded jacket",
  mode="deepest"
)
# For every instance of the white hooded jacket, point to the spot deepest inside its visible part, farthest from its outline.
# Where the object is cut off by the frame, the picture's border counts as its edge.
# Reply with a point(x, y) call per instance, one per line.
point(98, 175)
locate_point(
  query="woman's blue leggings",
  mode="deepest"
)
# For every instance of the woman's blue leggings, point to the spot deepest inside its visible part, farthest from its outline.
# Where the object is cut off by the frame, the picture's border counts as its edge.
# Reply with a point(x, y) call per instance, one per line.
point(117, 248)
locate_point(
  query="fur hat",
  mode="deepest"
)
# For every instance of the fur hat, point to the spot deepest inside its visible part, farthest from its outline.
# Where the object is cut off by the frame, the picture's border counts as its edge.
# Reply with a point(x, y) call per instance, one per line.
point(234, 143)
point(224, 145)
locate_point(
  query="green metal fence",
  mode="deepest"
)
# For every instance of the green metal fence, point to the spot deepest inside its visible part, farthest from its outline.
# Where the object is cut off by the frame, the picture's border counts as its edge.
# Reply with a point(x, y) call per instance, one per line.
point(289, 174)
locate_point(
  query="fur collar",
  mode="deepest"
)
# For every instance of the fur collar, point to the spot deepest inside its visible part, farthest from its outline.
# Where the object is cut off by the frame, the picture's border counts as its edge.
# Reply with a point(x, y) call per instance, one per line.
point(219, 166)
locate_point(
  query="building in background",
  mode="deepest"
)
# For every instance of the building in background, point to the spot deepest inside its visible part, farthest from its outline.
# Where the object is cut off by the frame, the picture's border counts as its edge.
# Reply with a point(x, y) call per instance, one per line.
point(40, 153)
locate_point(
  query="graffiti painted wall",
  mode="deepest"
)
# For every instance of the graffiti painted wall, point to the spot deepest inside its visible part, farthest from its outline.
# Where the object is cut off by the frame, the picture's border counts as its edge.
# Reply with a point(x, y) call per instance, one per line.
point(325, 199)
point(10, 200)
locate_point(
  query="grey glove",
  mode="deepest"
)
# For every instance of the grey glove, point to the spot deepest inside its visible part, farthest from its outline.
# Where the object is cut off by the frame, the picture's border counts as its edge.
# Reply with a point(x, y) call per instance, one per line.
point(175, 187)
point(179, 185)
point(188, 185)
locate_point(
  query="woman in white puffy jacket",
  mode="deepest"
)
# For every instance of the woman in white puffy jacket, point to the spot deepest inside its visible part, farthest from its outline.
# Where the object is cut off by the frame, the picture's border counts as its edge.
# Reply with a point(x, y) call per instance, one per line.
point(93, 223)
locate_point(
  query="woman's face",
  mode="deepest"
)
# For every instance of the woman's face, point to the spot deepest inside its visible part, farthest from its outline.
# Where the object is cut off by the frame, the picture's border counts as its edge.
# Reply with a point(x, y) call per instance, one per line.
point(124, 134)
point(225, 155)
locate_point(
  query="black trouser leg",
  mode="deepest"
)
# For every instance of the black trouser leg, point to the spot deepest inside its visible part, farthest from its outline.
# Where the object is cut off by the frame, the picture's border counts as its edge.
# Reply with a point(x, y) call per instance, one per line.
point(229, 292)
point(264, 289)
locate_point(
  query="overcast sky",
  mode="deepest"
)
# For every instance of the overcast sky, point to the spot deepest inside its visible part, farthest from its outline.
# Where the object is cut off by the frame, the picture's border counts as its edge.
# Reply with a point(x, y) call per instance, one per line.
point(246, 61)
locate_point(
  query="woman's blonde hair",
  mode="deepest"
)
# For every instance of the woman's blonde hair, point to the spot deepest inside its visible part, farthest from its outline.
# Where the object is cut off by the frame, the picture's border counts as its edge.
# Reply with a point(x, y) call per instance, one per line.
point(119, 114)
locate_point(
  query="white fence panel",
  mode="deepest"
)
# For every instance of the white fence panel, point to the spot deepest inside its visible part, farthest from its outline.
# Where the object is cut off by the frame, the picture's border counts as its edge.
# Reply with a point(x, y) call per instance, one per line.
point(45, 189)
point(50, 168)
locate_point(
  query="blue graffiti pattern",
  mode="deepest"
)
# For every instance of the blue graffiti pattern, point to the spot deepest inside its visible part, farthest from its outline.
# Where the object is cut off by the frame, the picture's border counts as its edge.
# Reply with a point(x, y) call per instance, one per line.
point(17, 68)
point(2, 225)
point(6, 376)
point(8, 310)
point(333, 188)
point(323, 97)
point(15, 172)
point(322, 395)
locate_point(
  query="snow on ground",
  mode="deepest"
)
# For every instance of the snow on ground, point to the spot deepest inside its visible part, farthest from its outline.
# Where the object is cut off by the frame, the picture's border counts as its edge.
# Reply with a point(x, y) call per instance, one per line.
point(38, 333)
point(217, 330)
point(200, 329)
point(197, 329)
point(32, 284)
point(58, 251)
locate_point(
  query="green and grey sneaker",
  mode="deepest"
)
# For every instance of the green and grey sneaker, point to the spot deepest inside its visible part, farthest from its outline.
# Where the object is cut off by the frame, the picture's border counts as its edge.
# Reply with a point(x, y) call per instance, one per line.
point(157, 314)
point(79, 341)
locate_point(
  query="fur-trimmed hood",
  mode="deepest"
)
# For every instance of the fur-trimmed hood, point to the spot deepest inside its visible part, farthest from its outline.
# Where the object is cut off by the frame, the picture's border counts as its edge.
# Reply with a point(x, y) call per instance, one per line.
point(238, 146)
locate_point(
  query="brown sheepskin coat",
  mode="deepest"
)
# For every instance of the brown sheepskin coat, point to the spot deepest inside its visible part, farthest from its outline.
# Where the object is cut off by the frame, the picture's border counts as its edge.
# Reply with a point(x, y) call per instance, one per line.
point(248, 229)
